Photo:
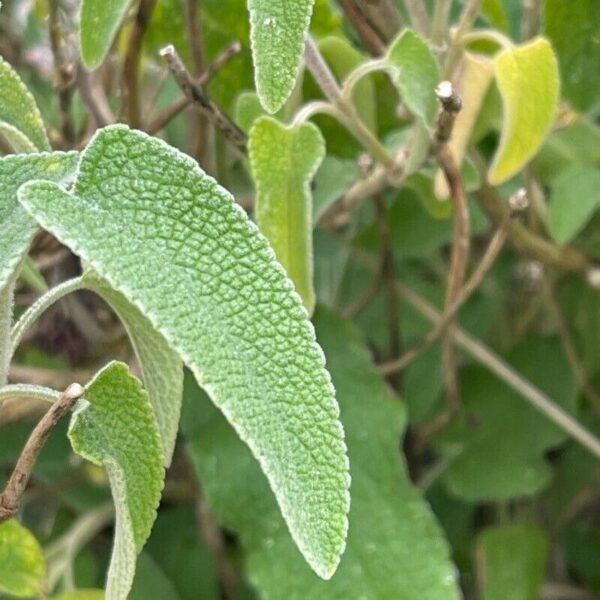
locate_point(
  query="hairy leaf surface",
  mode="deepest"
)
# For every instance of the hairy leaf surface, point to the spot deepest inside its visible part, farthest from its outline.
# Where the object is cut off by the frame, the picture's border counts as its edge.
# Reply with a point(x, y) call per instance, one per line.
point(18, 110)
point(528, 81)
point(22, 565)
point(162, 369)
point(395, 548)
point(164, 234)
point(416, 73)
point(284, 161)
point(114, 426)
point(278, 31)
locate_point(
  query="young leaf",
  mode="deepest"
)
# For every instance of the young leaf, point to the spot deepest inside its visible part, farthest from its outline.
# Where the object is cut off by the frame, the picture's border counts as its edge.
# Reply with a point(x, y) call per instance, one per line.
point(395, 547)
point(162, 369)
point(164, 234)
point(416, 73)
point(574, 199)
point(22, 565)
point(528, 81)
point(17, 227)
point(512, 562)
point(99, 23)
point(18, 110)
point(284, 161)
point(114, 426)
point(573, 28)
point(278, 31)
point(487, 470)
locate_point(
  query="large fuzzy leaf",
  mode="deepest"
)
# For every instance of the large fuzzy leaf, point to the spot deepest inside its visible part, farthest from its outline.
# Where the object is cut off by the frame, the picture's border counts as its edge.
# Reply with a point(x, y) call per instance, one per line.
point(278, 33)
point(395, 548)
point(284, 161)
point(114, 427)
point(165, 235)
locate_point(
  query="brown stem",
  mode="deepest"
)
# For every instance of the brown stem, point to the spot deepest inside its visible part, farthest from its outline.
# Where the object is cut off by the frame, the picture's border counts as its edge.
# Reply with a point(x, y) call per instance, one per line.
point(384, 16)
point(491, 253)
point(171, 111)
point(418, 16)
point(11, 496)
point(130, 108)
point(93, 97)
point(232, 133)
point(63, 74)
point(368, 36)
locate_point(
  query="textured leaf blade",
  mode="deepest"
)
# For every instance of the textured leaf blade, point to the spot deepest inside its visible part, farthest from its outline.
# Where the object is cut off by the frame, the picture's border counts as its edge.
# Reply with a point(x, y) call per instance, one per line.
point(162, 369)
point(18, 109)
point(22, 565)
point(416, 73)
point(114, 427)
point(528, 81)
point(512, 562)
point(395, 548)
point(17, 227)
point(278, 31)
point(284, 161)
point(573, 27)
point(164, 234)
point(99, 23)
point(574, 199)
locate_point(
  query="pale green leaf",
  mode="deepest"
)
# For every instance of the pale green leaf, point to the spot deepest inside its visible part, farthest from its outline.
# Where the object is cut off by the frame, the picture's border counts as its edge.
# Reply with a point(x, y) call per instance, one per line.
point(19, 110)
point(17, 227)
point(164, 234)
point(114, 427)
point(395, 547)
point(574, 29)
point(484, 469)
point(6, 311)
point(22, 565)
point(284, 161)
point(162, 369)
point(247, 110)
point(99, 23)
point(17, 140)
point(334, 177)
point(278, 33)
point(416, 74)
point(528, 81)
point(512, 562)
point(574, 199)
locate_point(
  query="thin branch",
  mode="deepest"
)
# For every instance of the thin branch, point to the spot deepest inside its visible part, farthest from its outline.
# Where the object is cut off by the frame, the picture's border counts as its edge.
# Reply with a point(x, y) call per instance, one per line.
point(491, 253)
point(130, 108)
point(93, 97)
point(569, 346)
point(368, 36)
point(451, 105)
point(329, 86)
point(465, 22)
point(439, 25)
point(171, 111)
point(63, 73)
point(232, 133)
point(17, 482)
point(384, 16)
point(418, 16)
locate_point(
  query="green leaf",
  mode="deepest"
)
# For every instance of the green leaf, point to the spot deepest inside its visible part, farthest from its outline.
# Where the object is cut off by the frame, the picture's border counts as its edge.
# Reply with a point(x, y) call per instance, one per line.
point(99, 23)
point(334, 177)
point(512, 562)
point(284, 161)
point(151, 582)
point(416, 73)
point(114, 426)
point(487, 469)
point(495, 12)
point(17, 140)
point(573, 28)
point(162, 369)
point(82, 595)
point(574, 199)
point(18, 111)
point(395, 548)
point(22, 565)
point(165, 235)
point(17, 227)
point(528, 81)
point(278, 33)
